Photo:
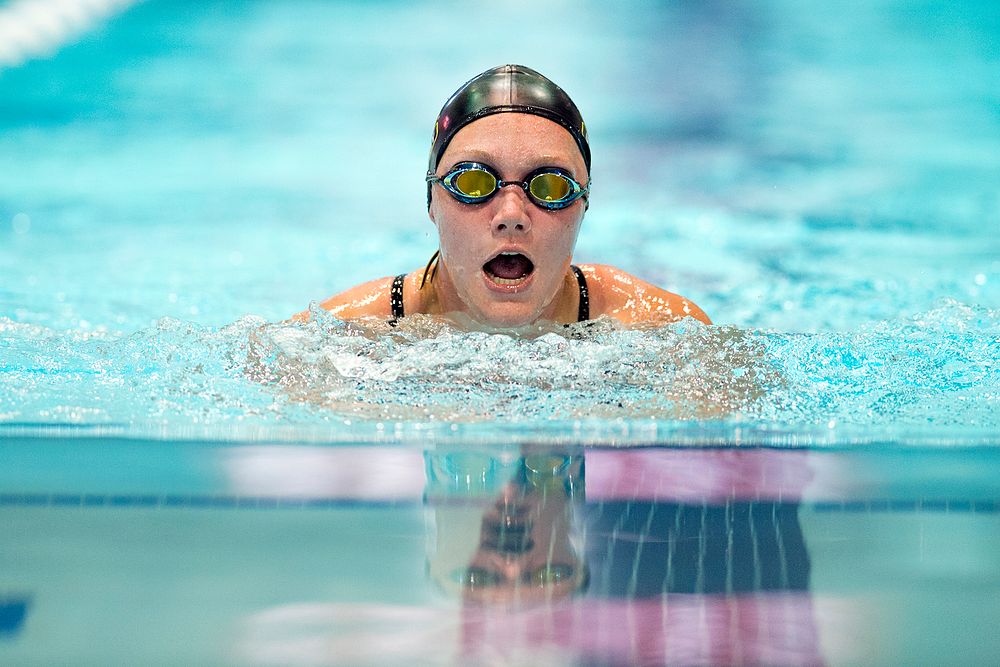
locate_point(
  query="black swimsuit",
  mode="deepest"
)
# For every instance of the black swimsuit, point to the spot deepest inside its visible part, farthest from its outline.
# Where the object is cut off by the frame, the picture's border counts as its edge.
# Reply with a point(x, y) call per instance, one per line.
point(396, 296)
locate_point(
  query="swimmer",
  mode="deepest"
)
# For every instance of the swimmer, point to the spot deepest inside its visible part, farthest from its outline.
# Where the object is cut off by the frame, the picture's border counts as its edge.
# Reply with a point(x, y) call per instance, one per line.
point(508, 183)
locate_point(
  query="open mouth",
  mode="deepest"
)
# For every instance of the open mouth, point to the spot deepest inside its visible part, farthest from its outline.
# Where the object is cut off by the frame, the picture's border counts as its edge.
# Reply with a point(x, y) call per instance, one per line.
point(509, 268)
point(507, 537)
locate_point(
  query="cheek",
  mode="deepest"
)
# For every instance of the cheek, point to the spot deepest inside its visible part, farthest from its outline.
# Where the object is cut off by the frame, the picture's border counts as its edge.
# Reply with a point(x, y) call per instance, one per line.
point(563, 234)
point(457, 242)
point(451, 236)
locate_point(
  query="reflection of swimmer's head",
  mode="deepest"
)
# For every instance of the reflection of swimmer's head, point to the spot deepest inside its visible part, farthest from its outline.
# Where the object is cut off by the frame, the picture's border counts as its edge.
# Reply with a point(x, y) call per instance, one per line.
point(518, 546)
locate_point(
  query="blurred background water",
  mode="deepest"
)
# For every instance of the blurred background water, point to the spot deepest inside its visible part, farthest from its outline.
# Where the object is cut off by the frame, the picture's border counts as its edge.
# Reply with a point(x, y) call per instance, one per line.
point(821, 179)
point(178, 177)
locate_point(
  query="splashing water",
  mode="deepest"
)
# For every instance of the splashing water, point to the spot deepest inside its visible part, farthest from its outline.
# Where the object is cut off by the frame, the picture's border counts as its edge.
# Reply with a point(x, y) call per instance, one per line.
point(938, 369)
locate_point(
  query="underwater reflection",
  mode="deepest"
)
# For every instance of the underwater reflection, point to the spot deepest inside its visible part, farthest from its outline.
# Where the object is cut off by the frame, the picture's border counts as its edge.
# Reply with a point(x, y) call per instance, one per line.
point(516, 527)
point(645, 548)
point(550, 556)
point(504, 526)
point(653, 568)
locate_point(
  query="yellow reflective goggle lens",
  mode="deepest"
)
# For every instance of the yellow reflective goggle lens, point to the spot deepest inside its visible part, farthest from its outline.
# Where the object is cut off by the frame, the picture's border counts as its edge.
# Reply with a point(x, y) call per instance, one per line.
point(550, 574)
point(476, 578)
point(549, 187)
point(475, 183)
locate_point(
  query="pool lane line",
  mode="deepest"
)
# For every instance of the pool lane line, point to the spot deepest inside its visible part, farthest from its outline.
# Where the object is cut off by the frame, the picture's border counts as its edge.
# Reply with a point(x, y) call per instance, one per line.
point(206, 501)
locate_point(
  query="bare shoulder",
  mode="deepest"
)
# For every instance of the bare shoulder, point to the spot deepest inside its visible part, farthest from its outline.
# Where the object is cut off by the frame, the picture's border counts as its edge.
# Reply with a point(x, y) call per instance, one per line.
point(370, 299)
point(625, 297)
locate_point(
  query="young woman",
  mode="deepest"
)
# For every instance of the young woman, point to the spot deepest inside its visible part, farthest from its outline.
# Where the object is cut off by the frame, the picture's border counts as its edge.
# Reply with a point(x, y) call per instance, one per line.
point(507, 187)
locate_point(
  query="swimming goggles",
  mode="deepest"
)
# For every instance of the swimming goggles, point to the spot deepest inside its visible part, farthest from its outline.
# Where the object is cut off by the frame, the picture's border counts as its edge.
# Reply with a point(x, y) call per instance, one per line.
point(550, 188)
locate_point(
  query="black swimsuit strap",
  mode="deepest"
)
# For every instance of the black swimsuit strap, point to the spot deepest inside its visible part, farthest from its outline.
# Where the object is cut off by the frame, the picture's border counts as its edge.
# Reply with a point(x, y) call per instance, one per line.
point(584, 312)
point(396, 296)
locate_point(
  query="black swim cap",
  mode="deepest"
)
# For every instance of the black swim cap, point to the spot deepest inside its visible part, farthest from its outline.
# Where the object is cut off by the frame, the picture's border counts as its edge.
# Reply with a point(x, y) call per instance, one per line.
point(506, 89)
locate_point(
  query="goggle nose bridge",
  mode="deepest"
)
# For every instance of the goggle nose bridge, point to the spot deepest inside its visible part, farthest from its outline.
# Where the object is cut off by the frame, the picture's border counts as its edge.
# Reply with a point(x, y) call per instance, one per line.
point(524, 185)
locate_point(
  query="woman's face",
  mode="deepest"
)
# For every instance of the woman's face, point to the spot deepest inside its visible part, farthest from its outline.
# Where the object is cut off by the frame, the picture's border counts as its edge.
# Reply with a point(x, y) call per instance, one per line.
point(536, 243)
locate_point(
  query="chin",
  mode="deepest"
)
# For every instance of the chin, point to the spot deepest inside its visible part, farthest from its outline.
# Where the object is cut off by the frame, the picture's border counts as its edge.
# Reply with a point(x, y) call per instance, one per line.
point(509, 315)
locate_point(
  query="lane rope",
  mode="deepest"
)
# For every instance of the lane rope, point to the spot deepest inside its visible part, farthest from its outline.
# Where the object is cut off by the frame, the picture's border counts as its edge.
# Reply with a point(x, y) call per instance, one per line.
point(32, 29)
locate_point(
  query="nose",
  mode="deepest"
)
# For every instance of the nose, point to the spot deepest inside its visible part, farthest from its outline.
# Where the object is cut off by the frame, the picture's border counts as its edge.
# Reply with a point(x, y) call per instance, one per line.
point(512, 568)
point(512, 212)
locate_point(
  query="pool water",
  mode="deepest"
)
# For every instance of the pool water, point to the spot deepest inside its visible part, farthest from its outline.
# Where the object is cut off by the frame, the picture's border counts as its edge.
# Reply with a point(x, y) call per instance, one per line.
point(187, 478)
point(157, 552)
point(824, 186)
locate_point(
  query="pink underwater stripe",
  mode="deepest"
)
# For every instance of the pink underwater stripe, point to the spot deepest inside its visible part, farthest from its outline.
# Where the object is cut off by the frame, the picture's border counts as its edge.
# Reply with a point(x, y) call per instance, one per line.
point(690, 475)
point(665, 475)
point(757, 629)
point(771, 629)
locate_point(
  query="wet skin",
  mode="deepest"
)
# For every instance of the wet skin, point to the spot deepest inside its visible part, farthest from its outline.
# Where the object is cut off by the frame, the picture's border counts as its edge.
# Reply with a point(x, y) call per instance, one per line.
point(471, 235)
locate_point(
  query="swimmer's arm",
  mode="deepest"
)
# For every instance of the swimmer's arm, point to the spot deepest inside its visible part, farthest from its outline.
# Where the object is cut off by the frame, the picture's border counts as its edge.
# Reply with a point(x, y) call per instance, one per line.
point(632, 300)
point(370, 299)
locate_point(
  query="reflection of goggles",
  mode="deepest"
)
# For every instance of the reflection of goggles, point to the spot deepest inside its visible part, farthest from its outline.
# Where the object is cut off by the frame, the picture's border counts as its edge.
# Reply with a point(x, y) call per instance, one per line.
point(473, 183)
point(472, 473)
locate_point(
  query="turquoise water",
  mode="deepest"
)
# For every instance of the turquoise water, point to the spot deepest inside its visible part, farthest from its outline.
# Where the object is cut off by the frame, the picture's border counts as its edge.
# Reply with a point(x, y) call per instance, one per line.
point(824, 185)
point(177, 178)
